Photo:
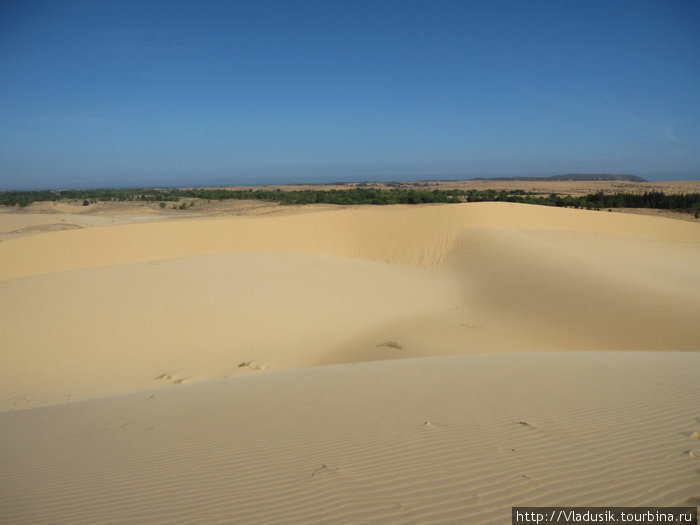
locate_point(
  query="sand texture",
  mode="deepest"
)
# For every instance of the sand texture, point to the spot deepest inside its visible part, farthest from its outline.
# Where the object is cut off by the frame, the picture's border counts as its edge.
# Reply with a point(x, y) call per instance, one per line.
point(426, 364)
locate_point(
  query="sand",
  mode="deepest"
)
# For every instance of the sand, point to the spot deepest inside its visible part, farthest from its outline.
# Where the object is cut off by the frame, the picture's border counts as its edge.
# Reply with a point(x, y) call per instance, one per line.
point(425, 364)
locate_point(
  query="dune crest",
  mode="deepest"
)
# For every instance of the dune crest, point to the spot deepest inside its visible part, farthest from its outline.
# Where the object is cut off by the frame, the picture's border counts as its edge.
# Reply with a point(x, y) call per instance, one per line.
point(397, 235)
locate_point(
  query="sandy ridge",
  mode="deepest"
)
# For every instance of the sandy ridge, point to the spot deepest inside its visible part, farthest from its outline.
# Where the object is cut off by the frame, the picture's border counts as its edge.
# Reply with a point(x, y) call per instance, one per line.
point(398, 235)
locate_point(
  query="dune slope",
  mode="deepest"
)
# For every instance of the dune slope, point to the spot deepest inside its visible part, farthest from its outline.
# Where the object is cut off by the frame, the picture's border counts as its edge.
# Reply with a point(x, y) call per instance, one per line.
point(440, 440)
point(105, 310)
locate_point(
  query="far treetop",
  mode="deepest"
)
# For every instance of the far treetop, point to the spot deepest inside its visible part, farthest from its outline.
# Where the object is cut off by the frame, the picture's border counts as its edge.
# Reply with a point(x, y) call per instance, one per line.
point(574, 176)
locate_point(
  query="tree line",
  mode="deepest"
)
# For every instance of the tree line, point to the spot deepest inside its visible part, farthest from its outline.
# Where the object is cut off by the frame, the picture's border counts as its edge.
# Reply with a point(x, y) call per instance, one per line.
point(653, 199)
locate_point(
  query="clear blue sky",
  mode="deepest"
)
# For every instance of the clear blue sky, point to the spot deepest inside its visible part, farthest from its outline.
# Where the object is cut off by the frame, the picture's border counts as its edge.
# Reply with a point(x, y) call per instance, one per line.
point(138, 93)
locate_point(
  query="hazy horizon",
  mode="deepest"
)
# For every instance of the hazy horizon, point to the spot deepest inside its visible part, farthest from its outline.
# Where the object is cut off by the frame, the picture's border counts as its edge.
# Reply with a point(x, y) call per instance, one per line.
point(136, 94)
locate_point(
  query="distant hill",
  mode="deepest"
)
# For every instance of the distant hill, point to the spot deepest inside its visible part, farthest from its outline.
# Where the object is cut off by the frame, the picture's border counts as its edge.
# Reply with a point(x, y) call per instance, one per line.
point(573, 176)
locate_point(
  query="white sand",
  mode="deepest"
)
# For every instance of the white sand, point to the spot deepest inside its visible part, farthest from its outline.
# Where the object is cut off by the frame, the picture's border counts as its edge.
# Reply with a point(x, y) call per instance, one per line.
point(157, 313)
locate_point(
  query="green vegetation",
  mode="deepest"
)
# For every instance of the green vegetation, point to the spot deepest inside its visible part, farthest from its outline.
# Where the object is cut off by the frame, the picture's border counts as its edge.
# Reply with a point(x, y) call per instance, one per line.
point(689, 202)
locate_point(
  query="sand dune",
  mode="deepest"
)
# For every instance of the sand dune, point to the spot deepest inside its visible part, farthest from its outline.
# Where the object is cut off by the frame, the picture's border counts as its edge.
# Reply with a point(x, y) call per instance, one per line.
point(215, 335)
point(440, 440)
point(115, 329)
point(41, 218)
point(397, 235)
point(193, 300)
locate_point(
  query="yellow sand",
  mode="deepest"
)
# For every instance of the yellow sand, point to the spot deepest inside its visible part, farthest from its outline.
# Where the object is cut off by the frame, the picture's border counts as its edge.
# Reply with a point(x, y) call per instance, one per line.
point(159, 313)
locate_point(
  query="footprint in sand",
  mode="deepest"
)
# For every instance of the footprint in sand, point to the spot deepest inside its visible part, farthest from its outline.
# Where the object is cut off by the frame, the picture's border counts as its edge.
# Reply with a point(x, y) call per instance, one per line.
point(250, 364)
point(323, 469)
point(391, 344)
point(168, 377)
point(524, 423)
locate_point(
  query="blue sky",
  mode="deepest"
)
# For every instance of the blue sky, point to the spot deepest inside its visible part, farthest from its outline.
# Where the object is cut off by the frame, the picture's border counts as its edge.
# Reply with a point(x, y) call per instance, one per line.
point(139, 93)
